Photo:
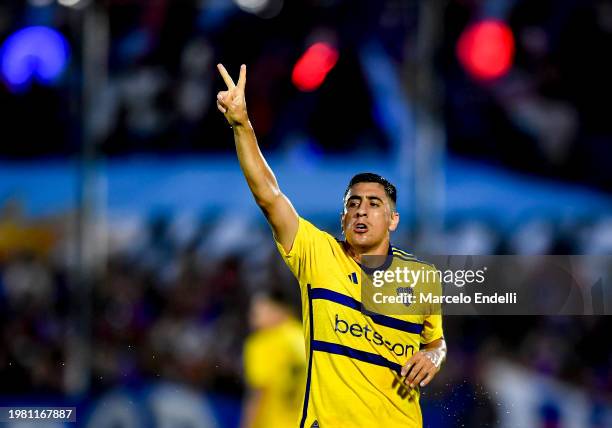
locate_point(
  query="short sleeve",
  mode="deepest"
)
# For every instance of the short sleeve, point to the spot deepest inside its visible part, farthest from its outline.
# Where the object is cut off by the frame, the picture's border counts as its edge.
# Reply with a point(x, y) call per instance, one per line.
point(432, 329)
point(309, 241)
point(432, 320)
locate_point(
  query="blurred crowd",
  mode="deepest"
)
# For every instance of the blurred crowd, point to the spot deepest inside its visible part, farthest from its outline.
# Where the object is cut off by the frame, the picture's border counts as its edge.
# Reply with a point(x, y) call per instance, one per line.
point(171, 298)
point(546, 116)
point(172, 301)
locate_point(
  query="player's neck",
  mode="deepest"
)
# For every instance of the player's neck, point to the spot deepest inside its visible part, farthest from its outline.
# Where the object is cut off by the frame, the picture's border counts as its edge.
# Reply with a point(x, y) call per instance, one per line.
point(356, 253)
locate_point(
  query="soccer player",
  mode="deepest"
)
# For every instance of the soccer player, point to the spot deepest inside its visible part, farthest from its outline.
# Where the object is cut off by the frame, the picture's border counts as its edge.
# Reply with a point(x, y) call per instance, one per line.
point(364, 369)
point(274, 363)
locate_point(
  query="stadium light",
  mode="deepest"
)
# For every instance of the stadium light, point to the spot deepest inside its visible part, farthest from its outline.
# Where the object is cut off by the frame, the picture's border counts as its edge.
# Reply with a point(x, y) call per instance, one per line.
point(313, 66)
point(31, 53)
point(262, 8)
point(73, 3)
point(486, 49)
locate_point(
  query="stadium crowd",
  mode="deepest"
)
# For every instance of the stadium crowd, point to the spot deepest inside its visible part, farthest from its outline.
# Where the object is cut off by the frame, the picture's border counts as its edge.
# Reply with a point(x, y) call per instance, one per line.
point(172, 303)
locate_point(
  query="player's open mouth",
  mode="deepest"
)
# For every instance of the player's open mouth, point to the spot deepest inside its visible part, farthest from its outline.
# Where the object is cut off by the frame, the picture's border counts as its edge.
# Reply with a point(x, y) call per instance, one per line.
point(360, 228)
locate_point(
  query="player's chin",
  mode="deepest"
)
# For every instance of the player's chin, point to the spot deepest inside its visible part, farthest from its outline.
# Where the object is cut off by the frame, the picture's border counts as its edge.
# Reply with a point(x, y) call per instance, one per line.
point(360, 240)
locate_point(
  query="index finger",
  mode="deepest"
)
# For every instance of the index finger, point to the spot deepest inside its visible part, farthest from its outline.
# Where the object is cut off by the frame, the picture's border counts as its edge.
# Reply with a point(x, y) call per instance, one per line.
point(242, 77)
point(226, 77)
point(408, 365)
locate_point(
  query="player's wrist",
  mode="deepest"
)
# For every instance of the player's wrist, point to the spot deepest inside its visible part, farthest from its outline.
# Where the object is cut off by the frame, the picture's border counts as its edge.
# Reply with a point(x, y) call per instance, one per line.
point(436, 356)
point(241, 124)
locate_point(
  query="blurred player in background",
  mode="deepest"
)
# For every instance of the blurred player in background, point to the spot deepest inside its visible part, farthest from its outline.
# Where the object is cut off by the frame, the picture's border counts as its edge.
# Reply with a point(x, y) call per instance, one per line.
point(274, 363)
point(364, 370)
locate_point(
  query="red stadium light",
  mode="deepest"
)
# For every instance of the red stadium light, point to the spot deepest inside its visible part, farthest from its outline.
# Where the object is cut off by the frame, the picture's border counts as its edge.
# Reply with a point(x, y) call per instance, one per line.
point(312, 67)
point(486, 49)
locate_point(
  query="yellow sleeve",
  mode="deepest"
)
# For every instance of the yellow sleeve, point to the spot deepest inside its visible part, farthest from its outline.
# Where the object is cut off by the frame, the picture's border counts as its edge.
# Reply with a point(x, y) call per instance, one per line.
point(432, 321)
point(309, 240)
point(259, 362)
point(432, 329)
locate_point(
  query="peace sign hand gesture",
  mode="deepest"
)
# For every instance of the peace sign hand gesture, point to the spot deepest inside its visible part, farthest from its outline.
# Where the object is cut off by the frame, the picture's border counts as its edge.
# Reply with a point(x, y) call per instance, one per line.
point(232, 102)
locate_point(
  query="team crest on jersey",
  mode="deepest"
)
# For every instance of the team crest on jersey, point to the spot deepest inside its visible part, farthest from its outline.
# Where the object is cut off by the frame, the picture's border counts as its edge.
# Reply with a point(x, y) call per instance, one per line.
point(315, 424)
point(403, 290)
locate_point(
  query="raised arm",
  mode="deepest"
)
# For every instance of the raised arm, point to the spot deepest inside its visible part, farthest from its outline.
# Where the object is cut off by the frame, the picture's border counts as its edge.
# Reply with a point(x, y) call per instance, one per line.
point(278, 210)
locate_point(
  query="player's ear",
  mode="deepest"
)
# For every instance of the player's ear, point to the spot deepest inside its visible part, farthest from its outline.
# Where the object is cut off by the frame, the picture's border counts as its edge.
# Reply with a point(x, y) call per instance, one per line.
point(395, 217)
point(342, 214)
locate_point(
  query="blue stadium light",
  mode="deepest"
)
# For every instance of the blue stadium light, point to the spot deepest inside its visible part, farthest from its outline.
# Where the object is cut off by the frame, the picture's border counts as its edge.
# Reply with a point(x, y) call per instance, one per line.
point(39, 53)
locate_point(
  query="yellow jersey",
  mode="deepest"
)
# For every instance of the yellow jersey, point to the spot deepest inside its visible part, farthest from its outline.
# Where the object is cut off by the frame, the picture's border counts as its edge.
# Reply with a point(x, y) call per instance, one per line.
point(275, 364)
point(354, 356)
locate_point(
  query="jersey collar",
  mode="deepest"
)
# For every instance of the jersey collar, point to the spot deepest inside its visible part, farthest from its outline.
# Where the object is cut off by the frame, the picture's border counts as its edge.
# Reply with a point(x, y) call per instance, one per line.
point(384, 266)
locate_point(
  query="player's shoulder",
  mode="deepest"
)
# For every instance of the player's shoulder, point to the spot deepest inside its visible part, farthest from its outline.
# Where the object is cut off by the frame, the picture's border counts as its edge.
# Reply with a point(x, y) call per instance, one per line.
point(291, 327)
point(309, 228)
point(406, 256)
point(265, 339)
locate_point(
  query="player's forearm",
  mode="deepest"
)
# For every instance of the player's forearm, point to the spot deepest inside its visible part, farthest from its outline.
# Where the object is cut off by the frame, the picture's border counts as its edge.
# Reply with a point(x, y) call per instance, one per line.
point(258, 174)
point(438, 350)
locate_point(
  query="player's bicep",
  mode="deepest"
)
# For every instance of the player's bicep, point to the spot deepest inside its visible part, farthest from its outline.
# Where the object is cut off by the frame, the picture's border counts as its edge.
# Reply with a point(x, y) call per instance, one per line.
point(283, 220)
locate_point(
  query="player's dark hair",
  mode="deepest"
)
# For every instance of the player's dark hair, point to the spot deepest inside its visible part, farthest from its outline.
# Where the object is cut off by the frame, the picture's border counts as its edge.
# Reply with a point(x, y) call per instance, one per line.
point(276, 294)
point(369, 177)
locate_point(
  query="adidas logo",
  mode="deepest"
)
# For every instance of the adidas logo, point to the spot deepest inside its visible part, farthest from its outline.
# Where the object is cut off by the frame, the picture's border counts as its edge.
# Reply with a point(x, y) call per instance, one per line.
point(315, 424)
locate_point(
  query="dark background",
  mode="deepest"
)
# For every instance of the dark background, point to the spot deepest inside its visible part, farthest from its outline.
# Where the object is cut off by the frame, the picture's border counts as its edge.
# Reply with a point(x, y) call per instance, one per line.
point(129, 245)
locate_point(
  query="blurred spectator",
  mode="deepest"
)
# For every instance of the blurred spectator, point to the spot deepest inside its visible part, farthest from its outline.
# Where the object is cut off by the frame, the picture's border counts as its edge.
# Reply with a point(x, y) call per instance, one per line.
point(18, 234)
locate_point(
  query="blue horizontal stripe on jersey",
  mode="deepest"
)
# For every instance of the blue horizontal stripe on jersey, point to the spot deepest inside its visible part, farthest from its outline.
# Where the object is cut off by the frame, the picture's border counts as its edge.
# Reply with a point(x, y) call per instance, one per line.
point(384, 320)
point(367, 357)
